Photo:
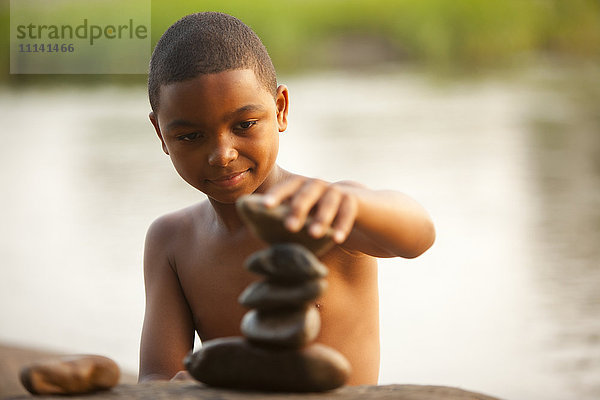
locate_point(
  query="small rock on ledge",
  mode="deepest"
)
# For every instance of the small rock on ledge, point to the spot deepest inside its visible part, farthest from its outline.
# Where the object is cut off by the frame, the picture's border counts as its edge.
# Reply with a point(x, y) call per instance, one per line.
point(70, 375)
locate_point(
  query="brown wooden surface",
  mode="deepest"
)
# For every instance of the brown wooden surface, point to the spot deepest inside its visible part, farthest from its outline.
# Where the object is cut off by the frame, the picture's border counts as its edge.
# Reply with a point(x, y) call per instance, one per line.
point(12, 358)
point(194, 391)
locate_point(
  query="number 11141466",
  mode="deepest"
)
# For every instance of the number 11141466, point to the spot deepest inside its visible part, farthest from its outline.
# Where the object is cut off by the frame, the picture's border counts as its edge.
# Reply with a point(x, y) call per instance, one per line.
point(46, 48)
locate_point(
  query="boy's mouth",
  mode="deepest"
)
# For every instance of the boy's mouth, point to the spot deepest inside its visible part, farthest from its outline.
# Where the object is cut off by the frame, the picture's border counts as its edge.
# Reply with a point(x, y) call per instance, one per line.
point(229, 179)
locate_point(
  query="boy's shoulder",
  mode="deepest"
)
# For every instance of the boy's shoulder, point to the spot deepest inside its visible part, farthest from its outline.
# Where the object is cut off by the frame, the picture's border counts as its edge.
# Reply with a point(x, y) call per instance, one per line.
point(176, 223)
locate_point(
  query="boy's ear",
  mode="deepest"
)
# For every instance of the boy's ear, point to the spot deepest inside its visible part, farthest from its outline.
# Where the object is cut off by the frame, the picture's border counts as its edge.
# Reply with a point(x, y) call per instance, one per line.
point(282, 103)
point(154, 121)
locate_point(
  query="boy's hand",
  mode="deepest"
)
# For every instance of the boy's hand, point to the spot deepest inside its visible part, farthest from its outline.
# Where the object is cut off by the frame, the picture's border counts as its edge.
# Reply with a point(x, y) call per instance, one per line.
point(182, 376)
point(327, 205)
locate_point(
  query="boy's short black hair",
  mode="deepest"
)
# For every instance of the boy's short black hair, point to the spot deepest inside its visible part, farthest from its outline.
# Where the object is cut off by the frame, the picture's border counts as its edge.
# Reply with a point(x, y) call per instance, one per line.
point(207, 43)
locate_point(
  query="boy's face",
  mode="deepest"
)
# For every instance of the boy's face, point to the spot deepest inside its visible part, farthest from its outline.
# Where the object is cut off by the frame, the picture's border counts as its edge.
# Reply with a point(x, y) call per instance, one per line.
point(221, 131)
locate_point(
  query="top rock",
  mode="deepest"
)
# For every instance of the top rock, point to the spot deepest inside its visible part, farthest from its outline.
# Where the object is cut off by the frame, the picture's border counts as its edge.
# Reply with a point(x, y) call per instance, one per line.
point(268, 224)
point(287, 263)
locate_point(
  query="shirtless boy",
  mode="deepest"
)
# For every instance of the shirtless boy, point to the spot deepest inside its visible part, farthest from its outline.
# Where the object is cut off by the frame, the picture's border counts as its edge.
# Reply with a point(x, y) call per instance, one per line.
point(218, 112)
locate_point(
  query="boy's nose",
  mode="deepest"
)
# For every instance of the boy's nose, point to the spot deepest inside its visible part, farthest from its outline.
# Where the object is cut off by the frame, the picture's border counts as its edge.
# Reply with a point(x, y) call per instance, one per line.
point(222, 154)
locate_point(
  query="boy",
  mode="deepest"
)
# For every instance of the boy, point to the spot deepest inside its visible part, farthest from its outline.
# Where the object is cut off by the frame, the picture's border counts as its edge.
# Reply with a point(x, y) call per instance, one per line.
point(218, 111)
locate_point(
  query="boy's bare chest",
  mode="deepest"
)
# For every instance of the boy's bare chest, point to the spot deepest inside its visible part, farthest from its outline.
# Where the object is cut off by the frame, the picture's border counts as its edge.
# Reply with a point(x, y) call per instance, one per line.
point(212, 275)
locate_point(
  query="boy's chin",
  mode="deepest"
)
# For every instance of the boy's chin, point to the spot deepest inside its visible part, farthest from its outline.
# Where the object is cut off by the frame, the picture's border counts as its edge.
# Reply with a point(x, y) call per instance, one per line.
point(230, 199)
point(215, 195)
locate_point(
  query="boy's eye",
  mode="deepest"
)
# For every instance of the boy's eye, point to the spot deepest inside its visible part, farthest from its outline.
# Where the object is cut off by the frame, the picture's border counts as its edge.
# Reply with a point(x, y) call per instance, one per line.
point(189, 137)
point(247, 124)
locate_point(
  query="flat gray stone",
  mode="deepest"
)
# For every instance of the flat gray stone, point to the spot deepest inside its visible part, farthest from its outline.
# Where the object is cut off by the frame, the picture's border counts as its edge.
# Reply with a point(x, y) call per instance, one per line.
point(235, 363)
point(286, 262)
point(282, 328)
point(266, 295)
point(268, 224)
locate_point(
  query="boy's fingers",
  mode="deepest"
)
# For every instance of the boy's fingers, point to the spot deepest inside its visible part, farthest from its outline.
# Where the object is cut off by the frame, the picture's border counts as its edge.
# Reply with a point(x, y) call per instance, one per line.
point(327, 210)
point(346, 216)
point(277, 194)
point(303, 201)
point(332, 207)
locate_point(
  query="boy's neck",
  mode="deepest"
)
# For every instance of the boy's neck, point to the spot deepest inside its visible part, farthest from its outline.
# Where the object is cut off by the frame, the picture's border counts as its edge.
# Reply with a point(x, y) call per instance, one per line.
point(226, 213)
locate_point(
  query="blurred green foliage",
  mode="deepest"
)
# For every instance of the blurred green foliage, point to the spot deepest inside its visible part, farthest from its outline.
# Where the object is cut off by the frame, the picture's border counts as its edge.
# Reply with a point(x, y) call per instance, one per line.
point(454, 34)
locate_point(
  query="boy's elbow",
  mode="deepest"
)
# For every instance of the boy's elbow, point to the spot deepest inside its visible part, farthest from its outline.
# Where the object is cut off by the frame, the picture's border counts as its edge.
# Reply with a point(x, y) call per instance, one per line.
point(425, 240)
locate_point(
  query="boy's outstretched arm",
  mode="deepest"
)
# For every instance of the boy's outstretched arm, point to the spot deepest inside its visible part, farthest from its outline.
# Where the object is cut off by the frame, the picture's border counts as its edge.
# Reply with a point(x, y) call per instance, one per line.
point(378, 223)
point(168, 330)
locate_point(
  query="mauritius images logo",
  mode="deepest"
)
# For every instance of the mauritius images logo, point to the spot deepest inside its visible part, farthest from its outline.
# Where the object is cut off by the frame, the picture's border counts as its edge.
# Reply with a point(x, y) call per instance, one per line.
point(80, 37)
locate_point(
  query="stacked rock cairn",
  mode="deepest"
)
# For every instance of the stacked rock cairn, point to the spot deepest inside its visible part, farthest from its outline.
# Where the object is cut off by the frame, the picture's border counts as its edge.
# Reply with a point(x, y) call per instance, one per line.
point(277, 352)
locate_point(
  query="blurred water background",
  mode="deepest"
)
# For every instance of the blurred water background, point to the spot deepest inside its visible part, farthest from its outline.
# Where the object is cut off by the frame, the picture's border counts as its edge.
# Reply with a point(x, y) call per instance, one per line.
point(487, 114)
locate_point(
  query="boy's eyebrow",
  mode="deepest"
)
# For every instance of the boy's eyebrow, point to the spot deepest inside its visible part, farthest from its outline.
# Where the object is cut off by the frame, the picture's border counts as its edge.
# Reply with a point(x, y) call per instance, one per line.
point(247, 108)
point(179, 123)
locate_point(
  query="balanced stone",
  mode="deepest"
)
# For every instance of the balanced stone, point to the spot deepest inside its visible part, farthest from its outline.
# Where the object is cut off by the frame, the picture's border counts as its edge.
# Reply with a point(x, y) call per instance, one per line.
point(285, 328)
point(234, 363)
point(286, 262)
point(70, 375)
point(266, 295)
point(268, 224)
